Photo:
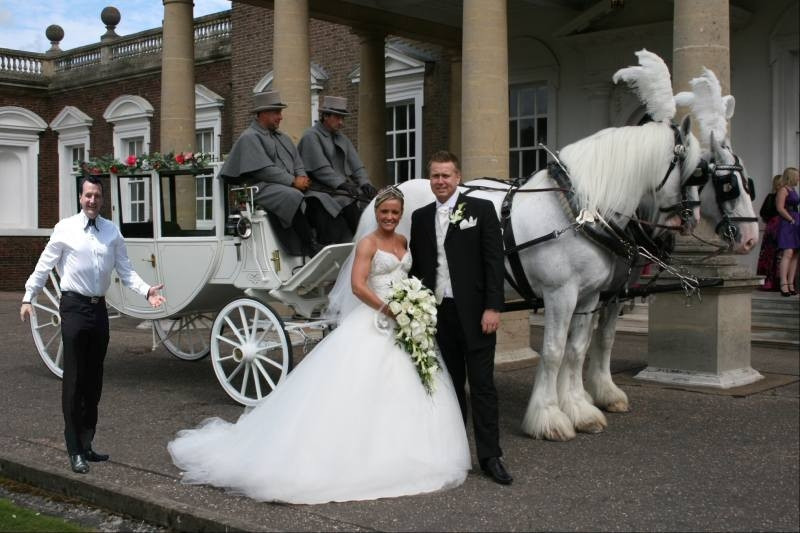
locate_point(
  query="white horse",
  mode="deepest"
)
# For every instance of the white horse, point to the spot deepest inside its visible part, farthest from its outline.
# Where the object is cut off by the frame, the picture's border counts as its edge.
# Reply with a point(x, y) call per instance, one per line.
point(612, 173)
point(725, 202)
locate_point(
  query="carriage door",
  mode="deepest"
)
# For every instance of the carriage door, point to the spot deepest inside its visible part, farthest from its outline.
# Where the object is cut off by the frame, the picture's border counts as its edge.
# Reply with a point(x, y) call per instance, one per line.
point(133, 213)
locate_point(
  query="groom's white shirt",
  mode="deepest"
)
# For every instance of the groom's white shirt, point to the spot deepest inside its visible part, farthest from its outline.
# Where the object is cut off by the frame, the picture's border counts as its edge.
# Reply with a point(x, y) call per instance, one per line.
point(443, 287)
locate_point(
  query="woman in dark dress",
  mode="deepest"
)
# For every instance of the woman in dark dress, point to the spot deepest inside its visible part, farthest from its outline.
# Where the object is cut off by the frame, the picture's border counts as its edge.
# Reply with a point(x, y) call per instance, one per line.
point(768, 255)
point(786, 201)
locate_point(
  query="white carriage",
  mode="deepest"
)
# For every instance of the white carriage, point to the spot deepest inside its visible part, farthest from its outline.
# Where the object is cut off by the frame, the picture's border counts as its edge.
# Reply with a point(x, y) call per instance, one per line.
point(231, 289)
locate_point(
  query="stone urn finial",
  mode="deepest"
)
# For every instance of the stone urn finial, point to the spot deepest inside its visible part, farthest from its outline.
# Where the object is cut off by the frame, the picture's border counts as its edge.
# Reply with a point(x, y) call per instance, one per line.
point(54, 34)
point(110, 17)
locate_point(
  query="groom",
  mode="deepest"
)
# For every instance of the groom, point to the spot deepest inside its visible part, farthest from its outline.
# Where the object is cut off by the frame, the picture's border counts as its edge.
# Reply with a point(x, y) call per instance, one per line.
point(456, 246)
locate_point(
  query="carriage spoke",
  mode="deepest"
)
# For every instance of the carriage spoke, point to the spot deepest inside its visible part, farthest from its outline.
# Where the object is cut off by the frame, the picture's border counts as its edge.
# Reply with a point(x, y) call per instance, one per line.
point(59, 355)
point(244, 380)
point(268, 346)
point(265, 374)
point(257, 383)
point(44, 325)
point(55, 336)
point(244, 320)
point(235, 330)
point(228, 341)
point(45, 308)
point(235, 371)
point(254, 325)
point(270, 361)
point(53, 299)
point(270, 328)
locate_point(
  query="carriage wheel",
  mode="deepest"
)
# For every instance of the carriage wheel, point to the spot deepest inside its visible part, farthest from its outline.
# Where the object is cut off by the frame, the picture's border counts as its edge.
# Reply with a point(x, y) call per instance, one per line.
point(187, 336)
point(250, 350)
point(46, 326)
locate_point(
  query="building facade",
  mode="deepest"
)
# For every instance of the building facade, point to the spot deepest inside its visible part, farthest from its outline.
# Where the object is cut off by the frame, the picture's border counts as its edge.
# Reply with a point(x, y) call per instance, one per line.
point(489, 80)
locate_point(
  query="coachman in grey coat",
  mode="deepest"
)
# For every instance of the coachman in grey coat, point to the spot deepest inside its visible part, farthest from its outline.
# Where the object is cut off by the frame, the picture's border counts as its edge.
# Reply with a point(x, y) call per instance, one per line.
point(332, 162)
point(266, 158)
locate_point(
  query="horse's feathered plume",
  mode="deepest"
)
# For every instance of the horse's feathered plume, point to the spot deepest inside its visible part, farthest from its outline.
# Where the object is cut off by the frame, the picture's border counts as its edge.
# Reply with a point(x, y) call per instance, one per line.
point(651, 82)
point(711, 110)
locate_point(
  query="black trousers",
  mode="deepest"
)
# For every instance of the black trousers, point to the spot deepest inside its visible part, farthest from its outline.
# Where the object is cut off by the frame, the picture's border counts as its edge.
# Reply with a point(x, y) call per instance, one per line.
point(84, 331)
point(477, 367)
point(330, 230)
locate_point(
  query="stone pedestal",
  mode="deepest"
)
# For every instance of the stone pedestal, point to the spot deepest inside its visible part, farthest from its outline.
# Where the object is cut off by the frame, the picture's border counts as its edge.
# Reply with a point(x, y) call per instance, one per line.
point(702, 342)
point(513, 338)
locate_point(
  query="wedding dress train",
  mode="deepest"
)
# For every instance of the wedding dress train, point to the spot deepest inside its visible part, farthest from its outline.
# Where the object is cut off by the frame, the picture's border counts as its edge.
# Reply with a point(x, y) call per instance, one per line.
point(351, 422)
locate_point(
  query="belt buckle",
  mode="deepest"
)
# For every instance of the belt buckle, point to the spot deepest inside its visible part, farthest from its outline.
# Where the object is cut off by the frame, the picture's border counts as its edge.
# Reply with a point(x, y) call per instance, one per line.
point(94, 299)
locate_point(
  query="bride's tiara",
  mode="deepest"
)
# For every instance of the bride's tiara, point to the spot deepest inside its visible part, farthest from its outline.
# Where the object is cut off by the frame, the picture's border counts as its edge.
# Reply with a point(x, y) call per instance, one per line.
point(388, 193)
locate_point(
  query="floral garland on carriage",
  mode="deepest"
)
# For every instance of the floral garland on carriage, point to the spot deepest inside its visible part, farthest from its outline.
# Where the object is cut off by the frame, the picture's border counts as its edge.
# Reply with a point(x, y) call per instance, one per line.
point(145, 162)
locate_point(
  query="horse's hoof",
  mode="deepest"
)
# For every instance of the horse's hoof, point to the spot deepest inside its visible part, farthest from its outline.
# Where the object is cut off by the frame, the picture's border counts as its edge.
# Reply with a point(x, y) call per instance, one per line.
point(617, 407)
point(593, 428)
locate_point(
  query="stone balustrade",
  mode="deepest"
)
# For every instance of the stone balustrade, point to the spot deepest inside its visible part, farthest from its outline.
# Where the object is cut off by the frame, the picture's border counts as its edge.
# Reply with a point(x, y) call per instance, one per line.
point(17, 63)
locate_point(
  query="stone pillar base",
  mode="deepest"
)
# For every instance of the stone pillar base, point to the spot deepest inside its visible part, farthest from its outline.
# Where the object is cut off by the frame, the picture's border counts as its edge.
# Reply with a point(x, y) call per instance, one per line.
point(723, 380)
point(513, 338)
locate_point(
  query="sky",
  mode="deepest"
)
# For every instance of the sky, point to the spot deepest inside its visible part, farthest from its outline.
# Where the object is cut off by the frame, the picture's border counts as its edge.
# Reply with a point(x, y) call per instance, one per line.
point(23, 22)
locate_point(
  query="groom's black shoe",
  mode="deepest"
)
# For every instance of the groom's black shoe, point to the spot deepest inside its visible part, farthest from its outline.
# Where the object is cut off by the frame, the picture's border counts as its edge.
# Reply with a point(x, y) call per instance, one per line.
point(95, 457)
point(78, 464)
point(493, 467)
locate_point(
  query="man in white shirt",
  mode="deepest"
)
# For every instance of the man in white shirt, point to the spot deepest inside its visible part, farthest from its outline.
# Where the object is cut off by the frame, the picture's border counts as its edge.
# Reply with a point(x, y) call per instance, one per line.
point(85, 248)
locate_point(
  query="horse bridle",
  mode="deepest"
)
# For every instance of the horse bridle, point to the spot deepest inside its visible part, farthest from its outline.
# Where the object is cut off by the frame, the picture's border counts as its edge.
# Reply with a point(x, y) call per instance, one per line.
point(726, 189)
point(685, 208)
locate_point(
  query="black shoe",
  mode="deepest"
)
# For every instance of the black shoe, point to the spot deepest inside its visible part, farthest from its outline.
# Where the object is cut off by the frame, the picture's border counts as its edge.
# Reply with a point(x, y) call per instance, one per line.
point(95, 457)
point(78, 464)
point(493, 467)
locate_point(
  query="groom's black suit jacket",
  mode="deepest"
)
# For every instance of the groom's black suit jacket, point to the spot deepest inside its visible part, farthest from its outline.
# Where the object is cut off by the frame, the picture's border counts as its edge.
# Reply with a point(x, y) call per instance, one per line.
point(474, 257)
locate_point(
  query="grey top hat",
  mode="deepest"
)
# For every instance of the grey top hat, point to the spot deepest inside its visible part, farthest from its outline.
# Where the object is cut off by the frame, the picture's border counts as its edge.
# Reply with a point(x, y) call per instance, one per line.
point(334, 104)
point(267, 100)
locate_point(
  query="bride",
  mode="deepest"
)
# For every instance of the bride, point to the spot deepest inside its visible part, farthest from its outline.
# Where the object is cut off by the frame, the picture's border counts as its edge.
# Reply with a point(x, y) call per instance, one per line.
point(353, 421)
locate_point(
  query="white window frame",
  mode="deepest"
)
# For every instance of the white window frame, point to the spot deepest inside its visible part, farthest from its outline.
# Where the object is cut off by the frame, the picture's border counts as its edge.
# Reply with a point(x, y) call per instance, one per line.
point(72, 126)
point(393, 133)
point(130, 115)
point(19, 132)
point(405, 83)
point(208, 115)
point(536, 85)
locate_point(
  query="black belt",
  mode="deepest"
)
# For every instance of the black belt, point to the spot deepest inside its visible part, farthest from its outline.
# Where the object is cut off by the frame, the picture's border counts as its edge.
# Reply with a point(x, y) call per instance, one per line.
point(94, 300)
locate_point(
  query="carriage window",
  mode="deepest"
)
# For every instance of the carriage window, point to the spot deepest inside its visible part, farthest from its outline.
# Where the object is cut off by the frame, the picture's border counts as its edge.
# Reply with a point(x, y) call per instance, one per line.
point(136, 219)
point(527, 128)
point(400, 142)
point(186, 205)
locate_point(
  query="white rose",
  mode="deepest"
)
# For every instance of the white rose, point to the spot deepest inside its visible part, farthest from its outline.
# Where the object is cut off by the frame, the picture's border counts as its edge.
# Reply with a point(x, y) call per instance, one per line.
point(403, 320)
point(395, 307)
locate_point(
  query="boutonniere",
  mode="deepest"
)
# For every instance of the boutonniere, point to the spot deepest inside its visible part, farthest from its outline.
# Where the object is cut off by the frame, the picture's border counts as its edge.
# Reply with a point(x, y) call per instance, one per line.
point(458, 214)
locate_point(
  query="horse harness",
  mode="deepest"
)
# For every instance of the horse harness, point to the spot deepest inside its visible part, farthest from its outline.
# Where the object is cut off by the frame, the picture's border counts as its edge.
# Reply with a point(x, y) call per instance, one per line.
point(726, 189)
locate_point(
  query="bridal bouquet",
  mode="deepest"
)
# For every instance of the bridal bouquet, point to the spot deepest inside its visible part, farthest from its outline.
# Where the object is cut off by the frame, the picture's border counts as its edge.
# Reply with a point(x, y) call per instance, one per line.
point(414, 309)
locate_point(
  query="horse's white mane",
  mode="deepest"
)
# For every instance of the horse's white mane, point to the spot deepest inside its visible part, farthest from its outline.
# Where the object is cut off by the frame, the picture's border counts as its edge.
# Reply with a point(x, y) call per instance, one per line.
point(651, 82)
point(709, 107)
point(613, 169)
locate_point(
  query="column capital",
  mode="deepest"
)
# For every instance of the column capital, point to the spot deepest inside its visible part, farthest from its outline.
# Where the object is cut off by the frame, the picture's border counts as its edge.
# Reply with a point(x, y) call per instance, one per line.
point(371, 33)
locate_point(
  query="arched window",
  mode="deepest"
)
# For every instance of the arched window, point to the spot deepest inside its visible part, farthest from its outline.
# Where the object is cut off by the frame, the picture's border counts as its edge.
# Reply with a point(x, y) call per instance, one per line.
point(72, 126)
point(19, 151)
point(318, 78)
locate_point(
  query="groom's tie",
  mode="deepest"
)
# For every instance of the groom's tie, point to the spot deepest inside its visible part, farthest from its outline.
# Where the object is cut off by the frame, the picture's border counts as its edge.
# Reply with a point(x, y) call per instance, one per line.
point(442, 271)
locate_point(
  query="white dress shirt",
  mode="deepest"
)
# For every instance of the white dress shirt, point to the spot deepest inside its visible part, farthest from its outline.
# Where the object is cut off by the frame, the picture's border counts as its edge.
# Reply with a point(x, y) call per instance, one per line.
point(84, 256)
point(443, 287)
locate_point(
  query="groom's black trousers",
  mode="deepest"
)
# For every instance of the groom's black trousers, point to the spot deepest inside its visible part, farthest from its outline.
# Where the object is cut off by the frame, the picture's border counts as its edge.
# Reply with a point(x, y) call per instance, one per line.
point(477, 367)
point(84, 331)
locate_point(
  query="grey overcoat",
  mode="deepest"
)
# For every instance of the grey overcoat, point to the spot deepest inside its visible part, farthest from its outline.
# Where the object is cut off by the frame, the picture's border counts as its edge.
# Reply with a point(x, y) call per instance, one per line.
point(331, 159)
point(270, 161)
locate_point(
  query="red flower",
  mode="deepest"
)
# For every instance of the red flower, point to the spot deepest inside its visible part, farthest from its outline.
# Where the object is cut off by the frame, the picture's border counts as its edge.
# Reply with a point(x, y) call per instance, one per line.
point(94, 170)
point(131, 161)
point(114, 169)
point(180, 159)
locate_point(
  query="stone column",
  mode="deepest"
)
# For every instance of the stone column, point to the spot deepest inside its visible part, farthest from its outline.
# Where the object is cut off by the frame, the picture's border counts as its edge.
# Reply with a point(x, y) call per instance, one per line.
point(484, 104)
point(372, 107)
point(177, 99)
point(290, 58)
point(708, 342)
point(177, 78)
point(454, 126)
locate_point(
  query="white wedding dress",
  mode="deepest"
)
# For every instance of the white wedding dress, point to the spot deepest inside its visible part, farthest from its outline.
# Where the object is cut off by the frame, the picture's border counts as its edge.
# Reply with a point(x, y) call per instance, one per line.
point(352, 422)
